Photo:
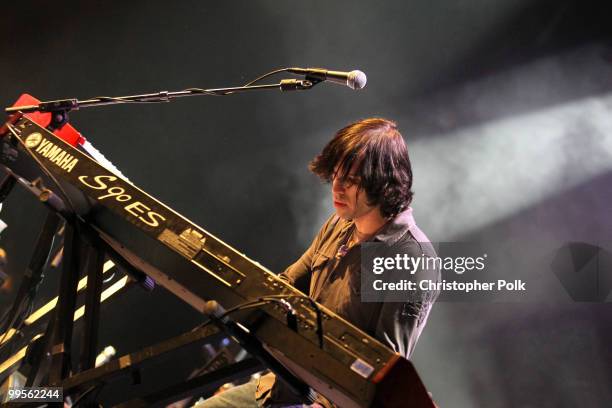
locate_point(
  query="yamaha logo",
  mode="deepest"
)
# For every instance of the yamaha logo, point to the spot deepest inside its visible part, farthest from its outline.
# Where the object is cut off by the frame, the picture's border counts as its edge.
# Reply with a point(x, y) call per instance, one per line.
point(33, 140)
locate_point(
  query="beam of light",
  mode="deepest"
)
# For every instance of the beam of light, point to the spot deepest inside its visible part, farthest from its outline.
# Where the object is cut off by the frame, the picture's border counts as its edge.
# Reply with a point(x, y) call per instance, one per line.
point(481, 174)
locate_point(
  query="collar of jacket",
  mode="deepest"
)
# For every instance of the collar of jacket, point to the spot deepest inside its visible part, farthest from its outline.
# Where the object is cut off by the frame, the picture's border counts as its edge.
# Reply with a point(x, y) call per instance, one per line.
point(392, 231)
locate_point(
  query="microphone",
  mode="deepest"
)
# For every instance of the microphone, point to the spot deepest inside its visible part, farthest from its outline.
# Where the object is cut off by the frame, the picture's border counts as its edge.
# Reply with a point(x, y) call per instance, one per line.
point(354, 79)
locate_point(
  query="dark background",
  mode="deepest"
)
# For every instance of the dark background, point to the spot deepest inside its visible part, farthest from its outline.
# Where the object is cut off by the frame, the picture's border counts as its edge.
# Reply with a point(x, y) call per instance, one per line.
point(505, 106)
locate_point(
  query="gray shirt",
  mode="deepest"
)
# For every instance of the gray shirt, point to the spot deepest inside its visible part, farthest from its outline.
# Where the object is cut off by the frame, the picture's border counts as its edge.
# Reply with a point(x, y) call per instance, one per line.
point(335, 281)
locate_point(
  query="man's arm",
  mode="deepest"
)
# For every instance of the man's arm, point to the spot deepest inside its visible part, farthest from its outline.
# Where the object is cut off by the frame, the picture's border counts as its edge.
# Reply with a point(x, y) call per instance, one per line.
point(298, 274)
point(400, 323)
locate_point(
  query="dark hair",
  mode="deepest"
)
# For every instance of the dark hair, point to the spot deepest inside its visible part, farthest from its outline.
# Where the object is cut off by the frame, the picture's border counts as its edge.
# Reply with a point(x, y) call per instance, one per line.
point(384, 168)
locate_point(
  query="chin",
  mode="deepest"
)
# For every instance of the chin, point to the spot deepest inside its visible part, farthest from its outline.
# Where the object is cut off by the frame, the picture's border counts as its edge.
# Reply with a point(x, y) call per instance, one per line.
point(343, 214)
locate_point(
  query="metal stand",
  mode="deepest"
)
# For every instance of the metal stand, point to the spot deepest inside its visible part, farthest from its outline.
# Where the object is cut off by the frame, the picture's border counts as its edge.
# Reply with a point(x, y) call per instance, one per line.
point(133, 362)
point(61, 342)
point(34, 272)
point(203, 384)
point(89, 345)
point(6, 186)
point(252, 344)
point(82, 250)
point(63, 106)
point(51, 359)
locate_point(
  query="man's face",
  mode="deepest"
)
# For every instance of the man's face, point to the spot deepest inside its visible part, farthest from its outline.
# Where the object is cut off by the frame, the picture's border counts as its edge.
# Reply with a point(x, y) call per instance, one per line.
point(350, 201)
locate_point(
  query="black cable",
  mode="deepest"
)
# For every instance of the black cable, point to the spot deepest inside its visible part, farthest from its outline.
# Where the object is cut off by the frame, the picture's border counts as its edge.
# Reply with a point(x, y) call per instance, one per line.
point(95, 397)
point(155, 98)
point(89, 391)
point(259, 78)
point(207, 92)
point(123, 100)
point(4, 317)
point(191, 90)
point(3, 341)
point(70, 104)
point(276, 298)
point(247, 305)
point(265, 76)
point(316, 308)
point(242, 306)
point(21, 316)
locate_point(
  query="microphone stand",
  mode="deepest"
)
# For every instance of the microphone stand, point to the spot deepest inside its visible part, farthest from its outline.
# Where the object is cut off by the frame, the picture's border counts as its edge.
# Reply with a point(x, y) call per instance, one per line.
point(63, 106)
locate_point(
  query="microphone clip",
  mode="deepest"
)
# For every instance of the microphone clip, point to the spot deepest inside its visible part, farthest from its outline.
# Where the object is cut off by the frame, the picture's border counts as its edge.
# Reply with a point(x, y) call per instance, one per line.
point(297, 84)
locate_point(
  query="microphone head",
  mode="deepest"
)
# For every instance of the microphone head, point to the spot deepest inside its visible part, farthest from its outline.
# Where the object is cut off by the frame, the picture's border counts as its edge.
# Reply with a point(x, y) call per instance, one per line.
point(356, 79)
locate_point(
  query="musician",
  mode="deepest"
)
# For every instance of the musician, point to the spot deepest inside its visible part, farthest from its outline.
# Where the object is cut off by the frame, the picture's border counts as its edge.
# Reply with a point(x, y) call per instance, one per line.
point(369, 170)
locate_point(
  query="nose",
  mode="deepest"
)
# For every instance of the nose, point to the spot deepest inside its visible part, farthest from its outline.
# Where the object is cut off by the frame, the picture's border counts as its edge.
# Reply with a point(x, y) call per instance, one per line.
point(337, 185)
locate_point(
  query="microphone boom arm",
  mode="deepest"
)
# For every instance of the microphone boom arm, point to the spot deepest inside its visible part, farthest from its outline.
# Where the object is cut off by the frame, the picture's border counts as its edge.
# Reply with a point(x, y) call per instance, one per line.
point(66, 105)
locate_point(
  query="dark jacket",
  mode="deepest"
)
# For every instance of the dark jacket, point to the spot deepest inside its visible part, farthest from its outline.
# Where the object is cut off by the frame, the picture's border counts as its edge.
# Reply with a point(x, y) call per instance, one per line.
point(334, 280)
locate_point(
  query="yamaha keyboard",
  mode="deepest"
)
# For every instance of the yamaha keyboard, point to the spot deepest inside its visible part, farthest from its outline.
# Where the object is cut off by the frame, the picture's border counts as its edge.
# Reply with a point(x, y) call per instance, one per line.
point(348, 366)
